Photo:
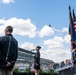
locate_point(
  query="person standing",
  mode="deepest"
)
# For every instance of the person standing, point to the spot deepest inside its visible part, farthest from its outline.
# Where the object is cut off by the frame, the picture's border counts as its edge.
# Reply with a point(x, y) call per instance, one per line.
point(8, 51)
point(37, 61)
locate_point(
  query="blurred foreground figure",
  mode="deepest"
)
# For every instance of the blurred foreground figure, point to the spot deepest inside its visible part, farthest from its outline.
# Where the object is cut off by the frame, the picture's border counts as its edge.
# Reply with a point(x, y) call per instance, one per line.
point(8, 52)
point(74, 57)
point(37, 61)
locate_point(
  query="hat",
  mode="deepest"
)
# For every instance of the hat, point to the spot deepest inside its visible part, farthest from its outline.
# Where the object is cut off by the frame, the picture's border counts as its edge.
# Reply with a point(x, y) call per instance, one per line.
point(38, 47)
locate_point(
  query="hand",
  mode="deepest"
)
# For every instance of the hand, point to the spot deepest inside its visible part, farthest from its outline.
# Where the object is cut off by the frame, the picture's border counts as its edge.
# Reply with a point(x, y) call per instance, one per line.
point(8, 64)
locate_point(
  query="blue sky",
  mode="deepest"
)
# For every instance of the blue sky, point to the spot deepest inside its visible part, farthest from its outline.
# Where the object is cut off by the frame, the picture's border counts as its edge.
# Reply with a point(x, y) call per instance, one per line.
point(30, 19)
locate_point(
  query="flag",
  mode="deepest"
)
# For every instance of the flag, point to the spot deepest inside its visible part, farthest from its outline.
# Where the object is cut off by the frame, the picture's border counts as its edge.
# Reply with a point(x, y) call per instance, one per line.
point(72, 25)
point(74, 20)
point(73, 28)
point(70, 18)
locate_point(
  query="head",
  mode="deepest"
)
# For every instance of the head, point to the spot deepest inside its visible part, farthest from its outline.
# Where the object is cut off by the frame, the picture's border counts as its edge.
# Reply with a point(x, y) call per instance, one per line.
point(8, 30)
point(38, 48)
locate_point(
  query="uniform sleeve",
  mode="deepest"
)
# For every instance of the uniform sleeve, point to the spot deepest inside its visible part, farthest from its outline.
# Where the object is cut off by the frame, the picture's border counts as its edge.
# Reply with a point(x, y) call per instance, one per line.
point(2, 59)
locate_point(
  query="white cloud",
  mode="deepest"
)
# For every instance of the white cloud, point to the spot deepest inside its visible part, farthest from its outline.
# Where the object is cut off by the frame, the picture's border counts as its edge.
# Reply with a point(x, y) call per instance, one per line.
point(7, 1)
point(55, 42)
point(67, 38)
point(21, 26)
point(56, 54)
point(56, 49)
point(46, 31)
point(28, 46)
point(49, 31)
point(65, 29)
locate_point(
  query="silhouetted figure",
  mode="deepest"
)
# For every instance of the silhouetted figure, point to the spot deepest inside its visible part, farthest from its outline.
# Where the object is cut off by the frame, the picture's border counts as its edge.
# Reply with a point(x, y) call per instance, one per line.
point(37, 61)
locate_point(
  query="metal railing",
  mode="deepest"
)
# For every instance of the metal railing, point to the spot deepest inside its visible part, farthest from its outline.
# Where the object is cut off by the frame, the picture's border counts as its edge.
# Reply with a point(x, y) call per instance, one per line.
point(66, 66)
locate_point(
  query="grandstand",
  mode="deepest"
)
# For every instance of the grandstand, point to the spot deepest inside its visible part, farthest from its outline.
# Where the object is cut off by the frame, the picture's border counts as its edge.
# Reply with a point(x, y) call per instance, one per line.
point(26, 60)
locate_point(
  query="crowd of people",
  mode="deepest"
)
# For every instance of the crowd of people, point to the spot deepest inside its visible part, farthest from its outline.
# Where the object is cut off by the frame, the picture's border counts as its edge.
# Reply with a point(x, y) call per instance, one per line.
point(67, 62)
